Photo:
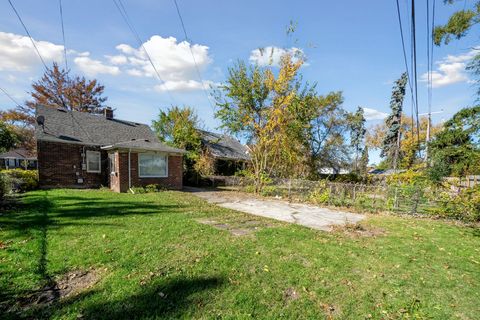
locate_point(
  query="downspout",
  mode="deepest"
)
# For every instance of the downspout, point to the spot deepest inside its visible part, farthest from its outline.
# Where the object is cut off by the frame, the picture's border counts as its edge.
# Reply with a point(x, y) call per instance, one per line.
point(129, 171)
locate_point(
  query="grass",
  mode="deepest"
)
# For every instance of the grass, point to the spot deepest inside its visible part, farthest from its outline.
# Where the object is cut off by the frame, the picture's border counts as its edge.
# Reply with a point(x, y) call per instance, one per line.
point(157, 261)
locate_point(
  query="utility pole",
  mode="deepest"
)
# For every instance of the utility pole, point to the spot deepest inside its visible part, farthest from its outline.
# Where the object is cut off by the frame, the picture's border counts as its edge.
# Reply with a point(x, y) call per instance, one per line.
point(429, 125)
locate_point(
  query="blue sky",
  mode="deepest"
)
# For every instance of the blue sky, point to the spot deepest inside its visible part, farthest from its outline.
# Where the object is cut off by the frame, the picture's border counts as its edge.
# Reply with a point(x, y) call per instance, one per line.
point(352, 46)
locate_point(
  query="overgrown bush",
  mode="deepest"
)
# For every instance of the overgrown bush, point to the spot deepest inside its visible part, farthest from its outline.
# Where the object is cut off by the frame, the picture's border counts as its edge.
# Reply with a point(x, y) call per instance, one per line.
point(463, 205)
point(5, 185)
point(20, 180)
point(320, 194)
point(150, 188)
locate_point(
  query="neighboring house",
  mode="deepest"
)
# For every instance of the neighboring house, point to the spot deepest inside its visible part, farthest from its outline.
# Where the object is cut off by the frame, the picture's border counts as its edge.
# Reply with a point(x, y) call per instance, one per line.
point(77, 149)
point(18, 159)
point(333, 171)
point(386, 172)
point(229, 154)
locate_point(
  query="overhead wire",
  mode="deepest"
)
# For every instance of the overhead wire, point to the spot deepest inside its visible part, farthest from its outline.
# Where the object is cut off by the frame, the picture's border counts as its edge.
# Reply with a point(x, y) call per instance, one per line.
point(63, 34)
point(28, 33)
point(193, 55)
point(123, 12)
point(414, 66)
point(403, 46)
point(9, 97)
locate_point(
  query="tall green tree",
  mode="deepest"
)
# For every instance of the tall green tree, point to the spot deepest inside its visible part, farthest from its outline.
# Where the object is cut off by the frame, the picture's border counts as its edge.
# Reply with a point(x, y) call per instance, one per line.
point(456, 149)
point(8, 138)
point(392, 139)
point(178, 127)
point(458, 26)
point(363, 162)
point(328, 125)
point(357, 134)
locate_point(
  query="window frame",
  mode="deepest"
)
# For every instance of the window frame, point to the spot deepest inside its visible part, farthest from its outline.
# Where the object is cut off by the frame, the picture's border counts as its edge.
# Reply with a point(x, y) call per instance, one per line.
point(99, 156)
point(155, 154)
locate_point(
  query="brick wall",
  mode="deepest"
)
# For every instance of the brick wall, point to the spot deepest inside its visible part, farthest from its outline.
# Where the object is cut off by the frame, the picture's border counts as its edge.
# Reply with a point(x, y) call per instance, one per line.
point(60, 165)
point(119, 181)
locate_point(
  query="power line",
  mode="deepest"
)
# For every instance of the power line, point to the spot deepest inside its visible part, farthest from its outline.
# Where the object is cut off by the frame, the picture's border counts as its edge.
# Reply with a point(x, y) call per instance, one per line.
point(28, 33)
point(63, 35)
point(124, 14)
point(403, 47)
point(414, 65)
point(10, 97)
point(193, 56)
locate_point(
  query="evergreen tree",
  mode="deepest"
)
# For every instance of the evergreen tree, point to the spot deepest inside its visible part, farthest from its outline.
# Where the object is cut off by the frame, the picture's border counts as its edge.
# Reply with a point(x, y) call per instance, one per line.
point(357, 134)
point(363, 162)
point(391, 141)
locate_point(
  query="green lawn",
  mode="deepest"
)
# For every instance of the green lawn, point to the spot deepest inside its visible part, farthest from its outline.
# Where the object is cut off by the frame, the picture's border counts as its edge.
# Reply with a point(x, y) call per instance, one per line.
point(156, 261)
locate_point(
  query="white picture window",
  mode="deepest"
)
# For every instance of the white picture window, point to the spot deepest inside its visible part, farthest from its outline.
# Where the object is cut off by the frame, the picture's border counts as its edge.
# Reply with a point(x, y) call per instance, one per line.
point(152, 165)
point(93, 161)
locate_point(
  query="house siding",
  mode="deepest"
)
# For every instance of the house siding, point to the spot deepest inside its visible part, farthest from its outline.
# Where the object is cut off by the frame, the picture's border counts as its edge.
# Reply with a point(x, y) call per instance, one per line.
point(60, 165)
point(119, 181)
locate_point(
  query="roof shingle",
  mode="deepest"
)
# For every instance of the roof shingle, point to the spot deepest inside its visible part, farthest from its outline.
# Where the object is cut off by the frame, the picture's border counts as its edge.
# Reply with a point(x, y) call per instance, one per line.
point(85, 128)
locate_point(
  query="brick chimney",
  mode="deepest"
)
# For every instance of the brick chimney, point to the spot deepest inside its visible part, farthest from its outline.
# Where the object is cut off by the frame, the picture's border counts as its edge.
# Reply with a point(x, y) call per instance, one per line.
point(108, 113)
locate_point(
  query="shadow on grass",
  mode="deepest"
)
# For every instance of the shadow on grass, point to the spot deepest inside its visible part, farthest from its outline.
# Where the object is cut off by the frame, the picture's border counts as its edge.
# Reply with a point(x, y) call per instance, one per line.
point(176, 298)
point(35, 215)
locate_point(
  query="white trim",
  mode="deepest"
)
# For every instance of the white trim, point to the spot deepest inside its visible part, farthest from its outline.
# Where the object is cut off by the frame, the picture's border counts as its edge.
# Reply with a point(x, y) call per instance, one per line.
point(99, 161)
point(154, 153)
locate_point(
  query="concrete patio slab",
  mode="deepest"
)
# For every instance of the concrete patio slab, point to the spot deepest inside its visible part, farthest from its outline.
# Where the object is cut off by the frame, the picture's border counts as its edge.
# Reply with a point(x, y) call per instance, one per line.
point(298, 213)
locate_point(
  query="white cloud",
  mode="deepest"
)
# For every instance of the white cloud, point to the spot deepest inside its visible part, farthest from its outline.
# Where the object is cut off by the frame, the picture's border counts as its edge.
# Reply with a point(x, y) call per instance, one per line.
point(372, 114)
point(18, 54)
point(450, 70)
point(117, 59)
point(173, 61)
point(183, 85)
point(270, 56)
point(93, 67)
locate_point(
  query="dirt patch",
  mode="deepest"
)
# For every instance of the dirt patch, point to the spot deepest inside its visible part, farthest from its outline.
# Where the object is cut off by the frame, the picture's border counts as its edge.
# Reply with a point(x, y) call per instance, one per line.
point(359, 230)
point(70, 284)
point(236, 228)
point(290, 295)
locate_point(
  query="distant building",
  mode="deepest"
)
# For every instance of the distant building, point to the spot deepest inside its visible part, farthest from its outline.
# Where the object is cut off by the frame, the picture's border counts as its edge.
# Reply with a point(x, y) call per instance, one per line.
point(386, 172)
point(229, 154)
point(332, 171)
point(18, 159)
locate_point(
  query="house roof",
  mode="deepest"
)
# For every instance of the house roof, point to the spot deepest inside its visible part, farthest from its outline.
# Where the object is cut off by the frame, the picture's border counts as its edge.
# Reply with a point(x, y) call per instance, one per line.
point(143, 144)
point(19, 153)
point(386, 172)
point(86, 128)
point(223, 146)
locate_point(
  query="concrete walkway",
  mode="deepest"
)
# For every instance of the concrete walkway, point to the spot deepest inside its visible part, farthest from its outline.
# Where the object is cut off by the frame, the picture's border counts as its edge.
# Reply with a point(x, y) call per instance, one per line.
point(302, 214)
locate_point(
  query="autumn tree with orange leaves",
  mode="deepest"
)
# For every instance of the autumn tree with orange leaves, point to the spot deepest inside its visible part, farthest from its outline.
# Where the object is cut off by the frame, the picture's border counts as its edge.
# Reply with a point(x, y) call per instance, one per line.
point(56, 89)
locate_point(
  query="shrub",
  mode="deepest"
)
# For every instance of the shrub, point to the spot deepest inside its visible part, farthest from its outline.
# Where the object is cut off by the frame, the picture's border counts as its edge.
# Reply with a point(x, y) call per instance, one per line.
point(21, 180)
point(269, 191)
point(150, 188)
point(464, 205)
point(321, 194)
point(138, 190)
point(5, 185)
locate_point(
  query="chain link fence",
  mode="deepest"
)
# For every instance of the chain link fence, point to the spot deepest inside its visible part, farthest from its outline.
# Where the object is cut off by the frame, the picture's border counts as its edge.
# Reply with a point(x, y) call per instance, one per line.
point(398, 198)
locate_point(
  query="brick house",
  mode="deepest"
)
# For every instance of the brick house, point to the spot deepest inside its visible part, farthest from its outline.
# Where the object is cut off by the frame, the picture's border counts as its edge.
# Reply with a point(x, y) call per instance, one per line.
point(83, 150)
